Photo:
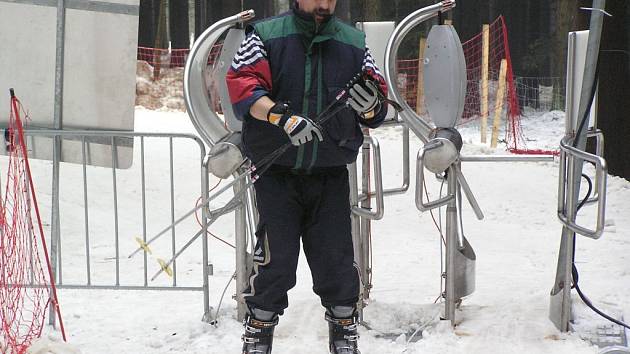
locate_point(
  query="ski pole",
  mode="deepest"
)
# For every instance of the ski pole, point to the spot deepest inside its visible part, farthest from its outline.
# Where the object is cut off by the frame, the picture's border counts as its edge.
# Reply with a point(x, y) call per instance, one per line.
point(228, 206)
point(192, 211)
point(265, 163)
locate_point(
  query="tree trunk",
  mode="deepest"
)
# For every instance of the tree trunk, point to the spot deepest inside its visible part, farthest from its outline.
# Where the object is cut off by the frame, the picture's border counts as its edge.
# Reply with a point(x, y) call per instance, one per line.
point(147, 26)
point(492, 12)
point(263, 8)
point(371, 10)
point(161, 39)
point(563, 19)
point(178, 13)
point(201, 16)
point(342, 11)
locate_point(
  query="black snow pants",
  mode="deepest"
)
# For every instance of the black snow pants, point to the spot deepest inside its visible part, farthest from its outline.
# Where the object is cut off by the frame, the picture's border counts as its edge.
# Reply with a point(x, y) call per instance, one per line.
point(316, 207)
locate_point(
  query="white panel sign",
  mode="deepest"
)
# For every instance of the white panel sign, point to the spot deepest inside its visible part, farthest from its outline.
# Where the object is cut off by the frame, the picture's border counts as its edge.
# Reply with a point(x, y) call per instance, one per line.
point(581, 44)
point(99, 72)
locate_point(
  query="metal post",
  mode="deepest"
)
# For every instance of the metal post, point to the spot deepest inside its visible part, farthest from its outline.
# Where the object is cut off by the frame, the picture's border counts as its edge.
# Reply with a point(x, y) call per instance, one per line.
point(57, 124)
point(240, 220)
point(205, 190)
point(560, 301)
point(172, 180)
point(356, 229)
point(451, 246)
point(366, 224)
point(115, 193)
point(560, 309)
point(86, 213)
point(144, 211)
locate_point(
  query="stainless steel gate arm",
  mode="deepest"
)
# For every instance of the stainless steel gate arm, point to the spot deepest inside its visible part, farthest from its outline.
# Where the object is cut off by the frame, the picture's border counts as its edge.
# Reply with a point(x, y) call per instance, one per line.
point(468, 192)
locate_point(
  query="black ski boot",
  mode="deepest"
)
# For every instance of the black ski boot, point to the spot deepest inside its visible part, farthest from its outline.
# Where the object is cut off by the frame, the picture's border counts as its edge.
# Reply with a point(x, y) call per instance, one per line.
point(258, 336)
point(342, 330)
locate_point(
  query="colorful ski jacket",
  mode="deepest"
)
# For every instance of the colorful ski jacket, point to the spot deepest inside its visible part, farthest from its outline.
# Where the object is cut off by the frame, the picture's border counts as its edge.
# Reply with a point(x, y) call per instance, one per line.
point(291, 58)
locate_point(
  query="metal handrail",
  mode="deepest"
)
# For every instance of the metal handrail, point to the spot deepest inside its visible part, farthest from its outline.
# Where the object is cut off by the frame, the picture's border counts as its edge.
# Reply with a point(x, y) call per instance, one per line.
point(405, 167)
point(568, 153)
point(378, 183)
point(506, 158)
point(406, 171)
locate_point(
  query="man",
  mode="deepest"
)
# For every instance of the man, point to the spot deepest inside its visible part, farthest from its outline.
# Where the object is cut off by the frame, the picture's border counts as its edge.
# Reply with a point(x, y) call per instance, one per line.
point(287, 70)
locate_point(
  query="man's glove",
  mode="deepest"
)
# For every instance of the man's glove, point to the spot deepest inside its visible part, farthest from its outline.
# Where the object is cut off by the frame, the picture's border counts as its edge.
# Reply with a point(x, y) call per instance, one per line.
point(300, 129)
point(364, 98)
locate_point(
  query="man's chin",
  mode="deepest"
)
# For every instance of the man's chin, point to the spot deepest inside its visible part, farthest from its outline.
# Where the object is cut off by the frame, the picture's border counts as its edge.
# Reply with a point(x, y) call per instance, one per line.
point(320, 18)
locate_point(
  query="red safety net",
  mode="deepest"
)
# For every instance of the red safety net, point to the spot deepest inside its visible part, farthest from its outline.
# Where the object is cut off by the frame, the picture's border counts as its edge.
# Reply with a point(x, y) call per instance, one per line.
point(407, 82)
point(499, 49)
point(173, 58)
point(407, 70)
point(26, 288)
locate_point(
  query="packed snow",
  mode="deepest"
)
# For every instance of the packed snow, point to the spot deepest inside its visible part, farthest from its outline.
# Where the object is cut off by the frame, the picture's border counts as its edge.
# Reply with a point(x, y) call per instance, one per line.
point(516, 245)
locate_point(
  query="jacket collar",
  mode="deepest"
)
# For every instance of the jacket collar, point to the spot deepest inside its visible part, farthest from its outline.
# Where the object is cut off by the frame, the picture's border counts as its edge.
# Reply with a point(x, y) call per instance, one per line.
point(311, 29)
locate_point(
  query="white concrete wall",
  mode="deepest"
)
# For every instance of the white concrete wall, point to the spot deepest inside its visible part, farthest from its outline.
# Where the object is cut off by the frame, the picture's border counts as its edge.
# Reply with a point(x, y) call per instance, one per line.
point(377, 35)
point(99, 72)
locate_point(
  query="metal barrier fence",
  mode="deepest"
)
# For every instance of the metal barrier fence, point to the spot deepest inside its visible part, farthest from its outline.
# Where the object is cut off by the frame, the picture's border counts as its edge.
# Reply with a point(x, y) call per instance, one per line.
point(540, 94)
point(118, 202)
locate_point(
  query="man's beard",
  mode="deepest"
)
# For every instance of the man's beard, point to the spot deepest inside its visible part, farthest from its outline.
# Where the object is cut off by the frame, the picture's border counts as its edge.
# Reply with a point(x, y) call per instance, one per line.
point(321, 13)
point(325, 15)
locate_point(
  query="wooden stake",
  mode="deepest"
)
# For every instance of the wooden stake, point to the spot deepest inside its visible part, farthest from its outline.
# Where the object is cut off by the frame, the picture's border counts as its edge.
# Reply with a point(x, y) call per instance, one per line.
point(485, 41)
point(420, 84)
point(498, 104)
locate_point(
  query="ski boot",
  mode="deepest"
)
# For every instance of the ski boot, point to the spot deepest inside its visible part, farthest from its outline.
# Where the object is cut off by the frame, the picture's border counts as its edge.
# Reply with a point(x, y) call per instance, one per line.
point(258, 336)
point(342, 330)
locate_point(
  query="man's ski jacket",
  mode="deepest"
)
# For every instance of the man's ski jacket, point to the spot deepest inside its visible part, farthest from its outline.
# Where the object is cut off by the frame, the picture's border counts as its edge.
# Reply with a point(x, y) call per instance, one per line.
point(291, 58)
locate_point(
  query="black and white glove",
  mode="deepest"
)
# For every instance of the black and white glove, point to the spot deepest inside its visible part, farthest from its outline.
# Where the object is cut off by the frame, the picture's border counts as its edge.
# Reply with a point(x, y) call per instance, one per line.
point(364, 98)
point(300, 130)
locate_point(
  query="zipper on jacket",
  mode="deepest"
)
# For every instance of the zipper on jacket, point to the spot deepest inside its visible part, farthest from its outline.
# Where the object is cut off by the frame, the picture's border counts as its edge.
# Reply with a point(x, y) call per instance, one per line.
point(307, 85)
point(320, 97)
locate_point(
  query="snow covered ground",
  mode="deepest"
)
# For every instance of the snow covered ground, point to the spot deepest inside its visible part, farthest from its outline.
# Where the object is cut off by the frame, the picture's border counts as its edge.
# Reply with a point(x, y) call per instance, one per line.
point(516, 246)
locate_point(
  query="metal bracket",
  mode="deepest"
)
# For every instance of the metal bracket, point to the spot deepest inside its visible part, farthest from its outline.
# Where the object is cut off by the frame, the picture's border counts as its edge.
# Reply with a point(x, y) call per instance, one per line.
point(420, 187)
point(599, 151)
point(594, 9)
